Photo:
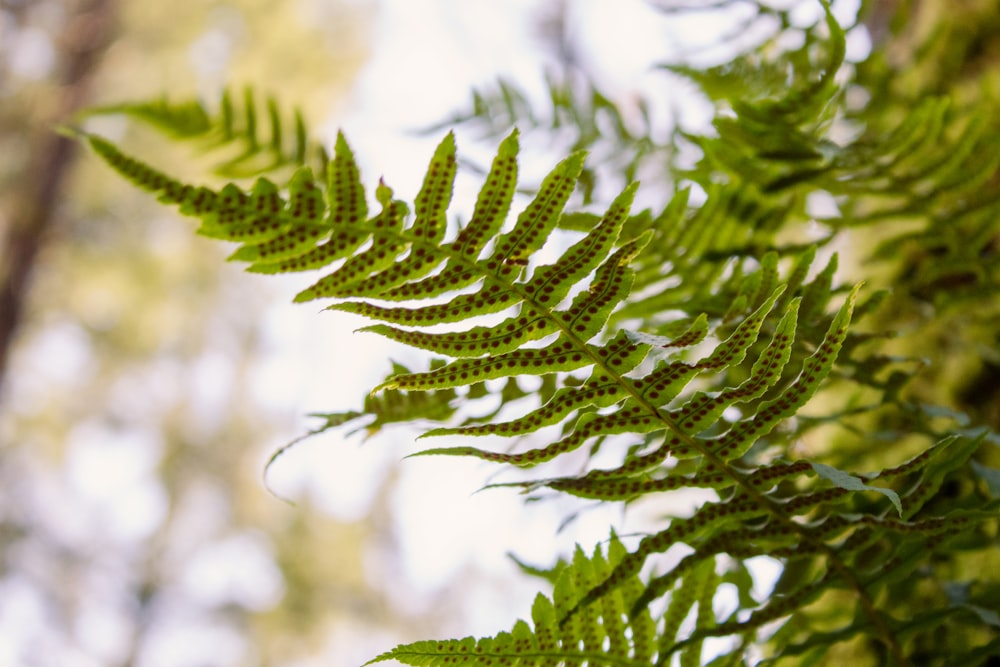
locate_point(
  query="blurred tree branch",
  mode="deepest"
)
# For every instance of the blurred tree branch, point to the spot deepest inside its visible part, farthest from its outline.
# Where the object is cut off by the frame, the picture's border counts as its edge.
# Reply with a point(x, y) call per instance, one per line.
point(34, 210)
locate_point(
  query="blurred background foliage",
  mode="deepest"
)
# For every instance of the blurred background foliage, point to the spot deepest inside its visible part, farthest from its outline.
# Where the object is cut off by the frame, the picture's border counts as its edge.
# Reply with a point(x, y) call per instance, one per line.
point(134, 379)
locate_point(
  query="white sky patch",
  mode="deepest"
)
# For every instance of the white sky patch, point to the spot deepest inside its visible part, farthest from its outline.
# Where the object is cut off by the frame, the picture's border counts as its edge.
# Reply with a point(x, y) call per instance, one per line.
point(104, 633)
point(205, 644)
point(340, 475)
point(31, 54)
point(23, 617)
point(113, 474)
point(237, 569)
point(211, 387)
point(765, 572)
point(620, 41)
point(58, 356)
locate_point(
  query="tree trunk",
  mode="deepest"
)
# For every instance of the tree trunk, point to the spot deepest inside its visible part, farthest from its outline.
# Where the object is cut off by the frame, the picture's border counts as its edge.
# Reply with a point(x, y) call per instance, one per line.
point(82, 42)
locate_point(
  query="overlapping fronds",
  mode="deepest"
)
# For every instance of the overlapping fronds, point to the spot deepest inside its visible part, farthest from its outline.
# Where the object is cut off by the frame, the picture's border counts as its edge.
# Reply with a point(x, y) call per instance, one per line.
point(685, 343)
point(600, 614)
point(552, 321)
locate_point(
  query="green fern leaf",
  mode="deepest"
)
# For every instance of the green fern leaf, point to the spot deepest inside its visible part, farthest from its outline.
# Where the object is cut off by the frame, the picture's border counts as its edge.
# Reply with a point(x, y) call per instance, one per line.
point(182, 120)
point(745, 432)
point(429, 225)
point(235, 125)
point(491, 209)
point(600, 636)
point(852, 483)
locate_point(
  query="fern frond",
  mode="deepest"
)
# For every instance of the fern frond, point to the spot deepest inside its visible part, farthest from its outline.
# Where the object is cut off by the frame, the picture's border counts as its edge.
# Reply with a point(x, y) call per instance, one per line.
point(602, 636)
point(258, 140)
